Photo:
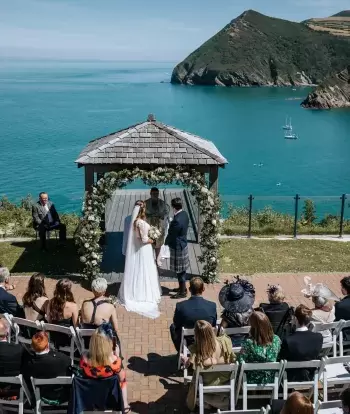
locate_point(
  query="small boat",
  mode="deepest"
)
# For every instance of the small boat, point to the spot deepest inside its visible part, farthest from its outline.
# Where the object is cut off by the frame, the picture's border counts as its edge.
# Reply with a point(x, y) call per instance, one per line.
point(287, 126)
point(290, 135)
point(279, 184)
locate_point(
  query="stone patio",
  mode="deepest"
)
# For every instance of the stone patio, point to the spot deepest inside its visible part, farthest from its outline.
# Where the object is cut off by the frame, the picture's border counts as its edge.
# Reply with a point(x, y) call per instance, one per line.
point(153, 383)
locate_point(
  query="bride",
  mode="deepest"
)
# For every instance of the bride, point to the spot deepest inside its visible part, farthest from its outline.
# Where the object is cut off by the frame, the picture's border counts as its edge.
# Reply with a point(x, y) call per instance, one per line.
point(140, 290)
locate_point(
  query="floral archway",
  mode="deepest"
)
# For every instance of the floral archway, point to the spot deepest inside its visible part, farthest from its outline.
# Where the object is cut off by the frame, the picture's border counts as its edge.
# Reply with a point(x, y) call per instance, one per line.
point(89, 234)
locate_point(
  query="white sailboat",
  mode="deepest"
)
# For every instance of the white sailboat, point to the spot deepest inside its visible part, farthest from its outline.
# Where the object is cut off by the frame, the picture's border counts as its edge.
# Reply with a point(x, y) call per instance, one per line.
point(288, 127)
point(290, 135)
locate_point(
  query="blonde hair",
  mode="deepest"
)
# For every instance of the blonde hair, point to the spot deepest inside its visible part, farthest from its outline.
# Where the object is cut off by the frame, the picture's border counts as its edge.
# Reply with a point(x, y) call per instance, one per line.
point(100, 349)
point(205, 342)
point(277, 295)
point(141, 215)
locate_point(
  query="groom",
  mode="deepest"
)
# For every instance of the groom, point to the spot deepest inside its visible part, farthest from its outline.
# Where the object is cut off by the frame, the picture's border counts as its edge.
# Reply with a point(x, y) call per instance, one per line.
point(177, 242)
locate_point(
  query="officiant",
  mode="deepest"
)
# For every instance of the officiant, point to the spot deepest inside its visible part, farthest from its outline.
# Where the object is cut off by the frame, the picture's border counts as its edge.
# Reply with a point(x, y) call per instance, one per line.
point(156, 210)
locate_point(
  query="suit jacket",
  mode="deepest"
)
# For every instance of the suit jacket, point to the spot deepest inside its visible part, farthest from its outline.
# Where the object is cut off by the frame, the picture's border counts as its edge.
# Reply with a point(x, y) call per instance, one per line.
point(342, 311)
point(177, 233)
point(40, 216)
point(10, 359)
point(50, 365)
point(301, 346)
point(9, 304)
point(196, 308)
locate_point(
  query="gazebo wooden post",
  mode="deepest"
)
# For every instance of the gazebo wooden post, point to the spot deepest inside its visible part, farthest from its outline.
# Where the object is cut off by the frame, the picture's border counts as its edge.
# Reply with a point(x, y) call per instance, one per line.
point(214, 179)
point(89, 177)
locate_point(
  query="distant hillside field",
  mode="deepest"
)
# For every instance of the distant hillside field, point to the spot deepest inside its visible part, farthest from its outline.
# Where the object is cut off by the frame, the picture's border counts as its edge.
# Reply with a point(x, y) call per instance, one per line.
point(338, 25)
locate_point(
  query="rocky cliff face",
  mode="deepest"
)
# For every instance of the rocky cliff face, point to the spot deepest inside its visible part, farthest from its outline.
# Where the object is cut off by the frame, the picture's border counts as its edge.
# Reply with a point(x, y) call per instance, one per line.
point(333, 93)
point(256, 50)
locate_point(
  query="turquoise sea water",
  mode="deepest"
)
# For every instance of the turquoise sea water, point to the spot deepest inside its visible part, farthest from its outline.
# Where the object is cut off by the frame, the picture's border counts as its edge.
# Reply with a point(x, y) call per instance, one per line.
point(50, 110)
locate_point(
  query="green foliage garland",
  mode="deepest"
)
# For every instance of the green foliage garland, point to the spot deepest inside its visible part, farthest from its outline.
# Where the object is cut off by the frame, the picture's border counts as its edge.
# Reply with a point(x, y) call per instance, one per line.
point(89, 233)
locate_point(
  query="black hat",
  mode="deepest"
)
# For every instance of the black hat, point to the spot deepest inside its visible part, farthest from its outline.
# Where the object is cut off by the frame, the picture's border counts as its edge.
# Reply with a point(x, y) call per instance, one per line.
point(238, 296)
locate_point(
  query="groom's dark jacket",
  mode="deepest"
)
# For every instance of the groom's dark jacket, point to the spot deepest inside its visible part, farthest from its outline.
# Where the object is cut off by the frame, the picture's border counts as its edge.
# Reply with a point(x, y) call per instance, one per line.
point(177, 233)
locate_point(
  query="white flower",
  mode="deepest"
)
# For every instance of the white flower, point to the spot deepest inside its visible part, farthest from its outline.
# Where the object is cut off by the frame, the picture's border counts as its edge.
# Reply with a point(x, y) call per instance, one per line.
point(112, 180)
point(218, 235)
point(86, 245)
point(204, 190)
point(94, 189)
point(89, 208)
point(94, 262)
point(185, 174)
point(212, 259)
point(94, 256)
point(213, 222)
point(83, 259)
point(91, 218)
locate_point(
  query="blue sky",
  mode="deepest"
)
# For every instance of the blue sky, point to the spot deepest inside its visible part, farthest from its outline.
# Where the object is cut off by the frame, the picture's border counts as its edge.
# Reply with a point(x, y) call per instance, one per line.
point(159, 30)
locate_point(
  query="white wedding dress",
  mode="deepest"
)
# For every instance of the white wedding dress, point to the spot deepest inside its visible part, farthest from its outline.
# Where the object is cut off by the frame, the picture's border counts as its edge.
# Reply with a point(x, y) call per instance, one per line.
point(140, 290)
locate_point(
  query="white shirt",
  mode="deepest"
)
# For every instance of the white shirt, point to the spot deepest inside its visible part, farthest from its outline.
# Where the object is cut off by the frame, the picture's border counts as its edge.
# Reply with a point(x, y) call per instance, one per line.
point(46, 208)
point(43, 352)
point(179, 211)
point(302, 329)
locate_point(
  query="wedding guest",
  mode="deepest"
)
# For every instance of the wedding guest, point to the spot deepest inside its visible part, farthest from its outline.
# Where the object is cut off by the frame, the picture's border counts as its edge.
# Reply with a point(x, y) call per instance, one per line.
point(323, 312)
point(10, 353)
point(127, 223)
point(177, 242)
point(209, 350)
point(155, 213)
point(62, 310)
point(237, 299)
point(303, 345)
point(8, 285)
point(35, 298)
point(342, 308)
point(44, 363)
point(188, 312)
point(296, 403)
point(98, 310)
point(46, 218)
point(277, 310)
point(103, 359)
point(345, 399)
point(262, 345)
point(8, 302)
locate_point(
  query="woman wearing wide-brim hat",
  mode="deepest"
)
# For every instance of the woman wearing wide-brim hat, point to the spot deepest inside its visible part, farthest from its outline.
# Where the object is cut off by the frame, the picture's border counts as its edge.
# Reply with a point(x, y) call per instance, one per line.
point(237, 299)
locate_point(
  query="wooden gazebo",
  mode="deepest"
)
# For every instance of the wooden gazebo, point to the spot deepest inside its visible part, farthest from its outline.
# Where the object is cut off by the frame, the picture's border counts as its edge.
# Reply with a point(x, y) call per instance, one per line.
point(148, 145)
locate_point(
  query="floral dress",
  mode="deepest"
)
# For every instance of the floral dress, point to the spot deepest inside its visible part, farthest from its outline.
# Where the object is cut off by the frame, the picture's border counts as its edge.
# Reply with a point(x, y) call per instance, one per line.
point(251, 352)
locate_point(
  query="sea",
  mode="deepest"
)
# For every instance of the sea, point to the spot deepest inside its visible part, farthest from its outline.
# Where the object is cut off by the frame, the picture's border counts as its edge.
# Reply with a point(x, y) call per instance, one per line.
point(49, 110)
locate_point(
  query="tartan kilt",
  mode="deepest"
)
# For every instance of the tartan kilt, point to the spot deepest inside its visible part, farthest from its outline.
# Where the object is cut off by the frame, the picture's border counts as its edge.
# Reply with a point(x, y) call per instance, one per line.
point(179, 260)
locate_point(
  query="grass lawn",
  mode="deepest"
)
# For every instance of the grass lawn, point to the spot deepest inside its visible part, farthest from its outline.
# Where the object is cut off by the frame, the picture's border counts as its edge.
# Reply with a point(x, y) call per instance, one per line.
point(26, 257)
point(237, 256)
point(268, 256)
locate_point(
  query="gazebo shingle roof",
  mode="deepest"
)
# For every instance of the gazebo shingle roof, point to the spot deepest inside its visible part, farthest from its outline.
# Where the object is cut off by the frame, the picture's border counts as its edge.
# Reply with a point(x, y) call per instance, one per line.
point(151, 142)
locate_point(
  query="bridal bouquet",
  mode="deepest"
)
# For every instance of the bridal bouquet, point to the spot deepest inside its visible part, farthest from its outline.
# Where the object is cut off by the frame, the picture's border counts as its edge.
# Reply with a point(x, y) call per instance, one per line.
point(154, 233)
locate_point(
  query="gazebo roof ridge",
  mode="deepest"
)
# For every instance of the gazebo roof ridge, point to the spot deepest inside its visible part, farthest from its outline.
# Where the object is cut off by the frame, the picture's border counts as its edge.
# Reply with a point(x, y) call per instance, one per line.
point(151, 142)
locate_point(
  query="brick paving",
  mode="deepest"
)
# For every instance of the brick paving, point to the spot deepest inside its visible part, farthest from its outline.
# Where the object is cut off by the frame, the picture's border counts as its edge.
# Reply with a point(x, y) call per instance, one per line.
point(153, 382)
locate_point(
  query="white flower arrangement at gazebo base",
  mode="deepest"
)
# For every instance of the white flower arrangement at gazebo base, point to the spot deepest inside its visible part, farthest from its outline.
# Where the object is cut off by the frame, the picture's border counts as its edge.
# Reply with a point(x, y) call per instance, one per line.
point(89, 234)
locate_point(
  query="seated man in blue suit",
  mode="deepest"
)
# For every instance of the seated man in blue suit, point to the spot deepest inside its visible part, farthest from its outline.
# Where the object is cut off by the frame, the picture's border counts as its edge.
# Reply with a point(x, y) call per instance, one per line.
point(188, 312)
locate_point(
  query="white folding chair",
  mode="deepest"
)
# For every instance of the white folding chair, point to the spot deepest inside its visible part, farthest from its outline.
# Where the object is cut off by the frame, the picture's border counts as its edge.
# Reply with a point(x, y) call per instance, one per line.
point(261, 411)
point(335, 371)
point(311, 386)
point(228, 388)
point(24, 395)
point(334, 407)
point(184, 351)
point(276, 367)
point(244, 330)
point(81, 334)
point(342, 343)
point(18, 327)
point(39, 404)
point(66, 330)
point(334, 328)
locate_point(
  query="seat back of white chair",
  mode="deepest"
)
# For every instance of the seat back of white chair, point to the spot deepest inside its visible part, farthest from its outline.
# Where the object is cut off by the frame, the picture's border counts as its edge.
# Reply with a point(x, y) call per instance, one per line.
point(312, 384)
point(37, 383)
point(334, 328)
point(183, 345)
point(24, 394)
point(81, 334)
point(243, 330)
point(18, 324)
point(329, 405)
point(66, 330)
point(342, 342)
point(261, 411)
point(335, 372)
point(276, 367)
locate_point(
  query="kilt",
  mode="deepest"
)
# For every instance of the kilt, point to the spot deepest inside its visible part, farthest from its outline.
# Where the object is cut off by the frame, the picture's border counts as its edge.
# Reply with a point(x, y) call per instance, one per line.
point(179, 260)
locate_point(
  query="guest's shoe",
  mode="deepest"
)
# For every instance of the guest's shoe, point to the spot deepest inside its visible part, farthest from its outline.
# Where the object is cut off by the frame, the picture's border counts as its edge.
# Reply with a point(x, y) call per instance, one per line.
point(180, 295)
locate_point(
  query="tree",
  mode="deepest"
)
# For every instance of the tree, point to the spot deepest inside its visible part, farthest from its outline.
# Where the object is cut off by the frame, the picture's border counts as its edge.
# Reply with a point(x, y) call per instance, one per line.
point(309, 212)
